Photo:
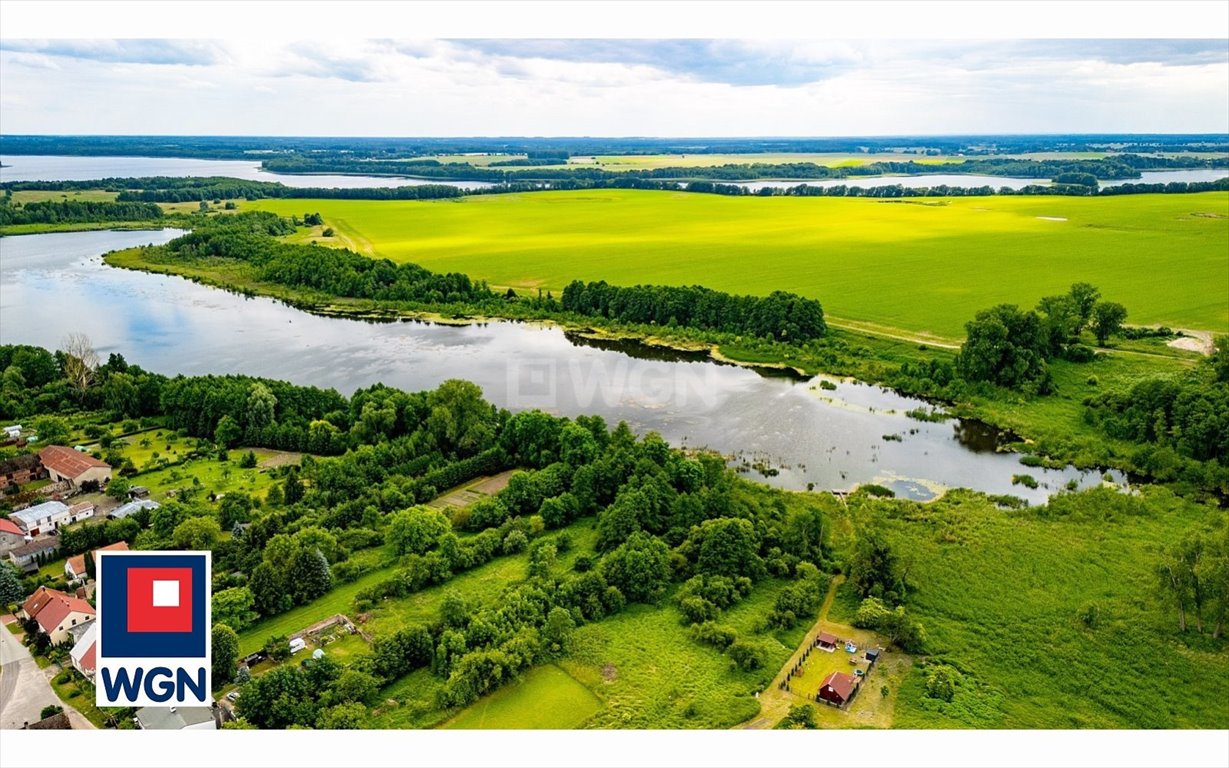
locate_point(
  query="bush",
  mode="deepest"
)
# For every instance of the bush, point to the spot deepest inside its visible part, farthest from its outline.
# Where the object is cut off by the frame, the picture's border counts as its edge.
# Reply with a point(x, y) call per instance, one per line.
point(49, 710)
point(1028, 481)
point(941, 681)
point(746, 655)
point(711, 633)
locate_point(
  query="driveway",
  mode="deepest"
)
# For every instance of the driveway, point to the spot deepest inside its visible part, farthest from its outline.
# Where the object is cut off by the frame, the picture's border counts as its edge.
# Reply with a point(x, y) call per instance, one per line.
point(24, 688)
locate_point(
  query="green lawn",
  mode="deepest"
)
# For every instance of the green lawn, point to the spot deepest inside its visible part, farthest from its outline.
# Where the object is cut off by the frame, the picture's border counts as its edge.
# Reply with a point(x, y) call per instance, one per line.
point(918, 265)
point(544, 698)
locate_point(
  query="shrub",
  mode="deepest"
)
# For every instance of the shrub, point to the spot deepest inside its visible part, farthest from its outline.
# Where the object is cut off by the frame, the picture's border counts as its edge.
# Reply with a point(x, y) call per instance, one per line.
point(714, 634)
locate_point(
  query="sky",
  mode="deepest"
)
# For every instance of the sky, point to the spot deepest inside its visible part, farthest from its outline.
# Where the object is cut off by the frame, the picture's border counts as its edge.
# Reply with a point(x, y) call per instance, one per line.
point(606, 87)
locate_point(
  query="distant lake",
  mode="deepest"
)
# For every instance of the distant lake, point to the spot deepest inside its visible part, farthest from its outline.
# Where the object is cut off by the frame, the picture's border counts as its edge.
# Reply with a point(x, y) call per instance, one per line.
point(73, 168)
point(911, 182)
point(977, 180)
point(795, 430)
point(1165, 177)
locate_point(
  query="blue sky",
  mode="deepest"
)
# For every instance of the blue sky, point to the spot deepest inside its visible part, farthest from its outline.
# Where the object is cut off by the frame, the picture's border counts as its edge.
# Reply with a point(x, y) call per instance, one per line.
point(613, 87)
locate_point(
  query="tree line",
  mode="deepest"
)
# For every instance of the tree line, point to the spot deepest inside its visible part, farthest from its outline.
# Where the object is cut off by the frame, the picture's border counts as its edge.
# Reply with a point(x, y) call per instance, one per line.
point(64, 211)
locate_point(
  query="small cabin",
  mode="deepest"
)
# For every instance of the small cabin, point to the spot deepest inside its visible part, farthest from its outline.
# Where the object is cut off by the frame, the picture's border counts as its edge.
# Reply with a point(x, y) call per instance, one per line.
point(872, 655)
point(837, 689)
point(826, 641)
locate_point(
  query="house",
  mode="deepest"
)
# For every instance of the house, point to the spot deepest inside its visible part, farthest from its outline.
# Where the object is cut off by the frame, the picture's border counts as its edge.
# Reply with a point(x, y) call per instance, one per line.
point(81, 511)
point(826, 641)
point(26, 556)
point(83, 654)
point(20, 470)
point(176, 719)
point(137, 492)
point(74, 567)
point(872, 655)
point(57, 722)
point(837, 689)
point(131, 508)
point(11, 537)
point(56, 613)
point(41, 518)
point(73, 467)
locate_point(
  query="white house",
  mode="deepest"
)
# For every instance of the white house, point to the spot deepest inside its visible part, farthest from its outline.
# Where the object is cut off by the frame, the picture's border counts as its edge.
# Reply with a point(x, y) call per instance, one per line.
point(82, 654)
point(41, 518)
point(81, 511)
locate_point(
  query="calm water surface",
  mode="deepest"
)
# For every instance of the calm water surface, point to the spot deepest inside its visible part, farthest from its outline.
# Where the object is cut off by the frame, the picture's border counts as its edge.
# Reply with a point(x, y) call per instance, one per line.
point(73, 168)
point(55, 284)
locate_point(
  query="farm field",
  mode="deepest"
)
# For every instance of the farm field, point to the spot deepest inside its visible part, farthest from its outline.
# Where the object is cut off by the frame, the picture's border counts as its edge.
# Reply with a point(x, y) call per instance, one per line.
point(921, 265)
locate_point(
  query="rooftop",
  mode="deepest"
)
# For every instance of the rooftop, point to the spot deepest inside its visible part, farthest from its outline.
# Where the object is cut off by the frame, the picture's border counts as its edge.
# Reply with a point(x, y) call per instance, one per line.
point(172, 718)
point(34, 547)
point(68, 462)
point(132, 507)
point(31, 515)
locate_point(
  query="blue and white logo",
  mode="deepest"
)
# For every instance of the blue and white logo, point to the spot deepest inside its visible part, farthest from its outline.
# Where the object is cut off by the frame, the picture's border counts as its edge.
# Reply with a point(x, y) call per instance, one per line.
point(153, 629)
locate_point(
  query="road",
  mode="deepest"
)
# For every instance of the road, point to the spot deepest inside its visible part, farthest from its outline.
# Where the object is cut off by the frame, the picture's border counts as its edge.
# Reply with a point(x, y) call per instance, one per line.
point(25, 689)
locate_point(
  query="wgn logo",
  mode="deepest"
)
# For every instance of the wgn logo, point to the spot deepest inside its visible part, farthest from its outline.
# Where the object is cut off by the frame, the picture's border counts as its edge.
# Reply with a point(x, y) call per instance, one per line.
point(153, 616)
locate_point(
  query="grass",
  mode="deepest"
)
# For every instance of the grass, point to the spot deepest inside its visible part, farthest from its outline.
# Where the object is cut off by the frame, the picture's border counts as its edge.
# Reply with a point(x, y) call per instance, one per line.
point(79, 694)
point(544, 698)
point(217, 476)
point(1001, 594)
point(893, 264)
point(650, 673)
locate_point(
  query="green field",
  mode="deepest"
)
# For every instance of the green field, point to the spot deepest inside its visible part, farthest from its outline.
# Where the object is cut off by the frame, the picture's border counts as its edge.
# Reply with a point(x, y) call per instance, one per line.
point(922, 266)
point(1001, 596)
point(546, 697)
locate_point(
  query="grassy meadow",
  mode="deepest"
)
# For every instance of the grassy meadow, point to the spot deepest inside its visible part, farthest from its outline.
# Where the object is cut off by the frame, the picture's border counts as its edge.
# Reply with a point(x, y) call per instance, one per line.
point(921, 265)
point(546, 697)
point(1002, 596)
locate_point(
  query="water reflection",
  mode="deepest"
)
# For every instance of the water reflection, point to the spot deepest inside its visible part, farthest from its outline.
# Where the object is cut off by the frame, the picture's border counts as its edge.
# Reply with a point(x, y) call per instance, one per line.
point(828, 434)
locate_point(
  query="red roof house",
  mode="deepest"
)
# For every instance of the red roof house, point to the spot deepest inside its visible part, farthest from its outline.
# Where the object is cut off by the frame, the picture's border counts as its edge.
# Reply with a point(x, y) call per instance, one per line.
point(838, 688)
point(75, 568)
point(56, 612)
point(826, 640)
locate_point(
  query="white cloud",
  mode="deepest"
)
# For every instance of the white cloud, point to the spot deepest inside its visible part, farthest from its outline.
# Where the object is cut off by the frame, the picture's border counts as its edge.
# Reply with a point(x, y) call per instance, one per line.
point(605, 87)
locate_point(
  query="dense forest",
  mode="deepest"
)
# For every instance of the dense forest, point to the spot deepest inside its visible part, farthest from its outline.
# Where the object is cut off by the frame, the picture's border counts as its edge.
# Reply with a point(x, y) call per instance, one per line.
point(65, 211)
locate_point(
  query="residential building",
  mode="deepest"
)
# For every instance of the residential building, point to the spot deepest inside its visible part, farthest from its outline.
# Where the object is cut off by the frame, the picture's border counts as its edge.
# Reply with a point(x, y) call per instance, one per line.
point(57, 613)
point(25, 556)
point(81, 511)
point(11, 536)
point(73, 467)
point(83, 652)
point(837, 688)
point(74, 567)
point(41, 518)
point(176, 719)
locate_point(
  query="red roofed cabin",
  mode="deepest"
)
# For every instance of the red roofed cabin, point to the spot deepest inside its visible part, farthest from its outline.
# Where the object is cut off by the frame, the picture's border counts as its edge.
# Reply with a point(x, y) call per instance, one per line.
point(826, 641)
point(838, 689)
point(74, 467)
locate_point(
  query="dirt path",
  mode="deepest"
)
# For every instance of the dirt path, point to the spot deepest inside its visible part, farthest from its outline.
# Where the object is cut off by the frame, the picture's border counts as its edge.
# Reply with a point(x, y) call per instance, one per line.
point(870, 329)
point(774, 702)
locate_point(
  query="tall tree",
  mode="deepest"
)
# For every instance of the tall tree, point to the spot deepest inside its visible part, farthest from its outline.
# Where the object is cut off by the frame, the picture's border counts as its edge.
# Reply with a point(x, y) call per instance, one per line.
point(80, 362)
point(1107, 319)
point(224, 650)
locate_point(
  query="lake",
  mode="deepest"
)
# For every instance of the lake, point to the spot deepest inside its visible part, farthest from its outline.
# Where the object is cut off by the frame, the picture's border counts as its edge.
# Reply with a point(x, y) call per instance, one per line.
point(976, 180)
point(781, 430)
point(72, 168)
